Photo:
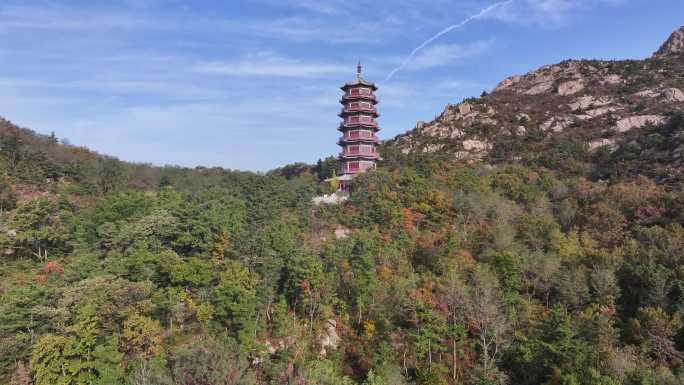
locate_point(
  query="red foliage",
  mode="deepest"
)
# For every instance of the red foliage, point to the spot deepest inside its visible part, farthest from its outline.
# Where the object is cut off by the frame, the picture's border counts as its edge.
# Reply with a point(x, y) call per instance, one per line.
point(50, 270)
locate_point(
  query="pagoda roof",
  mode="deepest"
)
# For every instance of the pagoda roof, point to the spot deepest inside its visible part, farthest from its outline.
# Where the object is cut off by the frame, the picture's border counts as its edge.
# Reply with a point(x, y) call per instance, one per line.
point(360, 81)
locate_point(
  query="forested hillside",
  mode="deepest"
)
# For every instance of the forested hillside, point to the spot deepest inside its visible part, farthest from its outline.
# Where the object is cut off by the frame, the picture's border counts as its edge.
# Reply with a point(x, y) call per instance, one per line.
point(439, 269)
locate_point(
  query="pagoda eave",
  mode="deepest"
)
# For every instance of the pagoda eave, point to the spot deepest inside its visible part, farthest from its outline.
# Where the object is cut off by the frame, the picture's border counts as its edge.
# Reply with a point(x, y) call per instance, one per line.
point(344, 113)
point(342, 142)
point(363, 98)
point(360, 126)
point(359, 83)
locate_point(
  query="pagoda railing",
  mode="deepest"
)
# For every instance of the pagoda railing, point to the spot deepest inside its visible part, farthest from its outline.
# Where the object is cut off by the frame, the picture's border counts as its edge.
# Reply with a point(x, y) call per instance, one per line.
point(351, 135)
point(359, 153)
point(359, 123)
point(349, 109)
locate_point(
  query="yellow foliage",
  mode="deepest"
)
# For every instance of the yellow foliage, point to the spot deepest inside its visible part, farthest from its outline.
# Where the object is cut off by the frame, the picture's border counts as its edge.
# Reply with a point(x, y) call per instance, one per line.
point(368, 329)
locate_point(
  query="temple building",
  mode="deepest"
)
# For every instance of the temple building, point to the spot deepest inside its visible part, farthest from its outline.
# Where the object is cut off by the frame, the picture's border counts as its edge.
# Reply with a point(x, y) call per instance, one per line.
point(358, 141)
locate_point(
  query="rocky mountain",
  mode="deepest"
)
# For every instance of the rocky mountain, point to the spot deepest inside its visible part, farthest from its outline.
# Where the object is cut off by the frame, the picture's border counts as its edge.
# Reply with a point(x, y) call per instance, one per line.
point(569, 114)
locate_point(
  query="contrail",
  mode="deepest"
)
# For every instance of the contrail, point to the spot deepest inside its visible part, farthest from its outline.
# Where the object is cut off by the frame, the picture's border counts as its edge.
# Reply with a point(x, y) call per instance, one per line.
point(446, 30)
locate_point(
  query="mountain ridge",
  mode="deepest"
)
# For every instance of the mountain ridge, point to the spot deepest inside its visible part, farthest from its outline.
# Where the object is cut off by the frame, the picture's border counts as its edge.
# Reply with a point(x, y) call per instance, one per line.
point(593, 103)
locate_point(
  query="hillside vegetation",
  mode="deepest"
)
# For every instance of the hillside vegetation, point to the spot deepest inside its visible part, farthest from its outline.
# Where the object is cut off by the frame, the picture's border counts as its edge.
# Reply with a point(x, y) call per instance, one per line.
point(477, 253)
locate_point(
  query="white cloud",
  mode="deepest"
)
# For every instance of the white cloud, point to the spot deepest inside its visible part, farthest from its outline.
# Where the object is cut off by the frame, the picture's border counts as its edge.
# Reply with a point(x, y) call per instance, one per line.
point(442, 54)
point(73, 19)
point(545, 12)
point(268, 64)
point(321, 6)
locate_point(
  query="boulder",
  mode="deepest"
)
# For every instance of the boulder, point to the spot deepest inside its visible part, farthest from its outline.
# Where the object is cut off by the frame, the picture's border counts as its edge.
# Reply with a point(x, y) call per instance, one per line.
point(328, 339)
point(648, 93)
point(593, 145)
point(570, 87)
point(472, 145)
point(557, 124)
point(612, 79)
point(673, 95)
point(626, 124)
point(588, 101)
point(342, 232)
point(507, 83)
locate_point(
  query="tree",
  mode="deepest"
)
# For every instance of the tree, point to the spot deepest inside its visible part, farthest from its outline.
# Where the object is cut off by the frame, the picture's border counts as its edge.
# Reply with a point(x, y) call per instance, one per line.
point(235, 299)
point(39, 228)
point(8, 200)
point(76, 359)
point(209, 361)
point(110, 174)
point(481, 308)
point(656, 329)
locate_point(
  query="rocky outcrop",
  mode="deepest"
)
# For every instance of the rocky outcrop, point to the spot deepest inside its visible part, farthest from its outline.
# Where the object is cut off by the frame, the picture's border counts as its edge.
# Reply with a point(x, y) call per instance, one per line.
point(507, 83)
point(588, 101)
point(557, 124)
point(342, 232)
point(594, 145)
point(673, 46)
point(328, 339)
point(571, 87)
point(626, 124)
point(673, 95)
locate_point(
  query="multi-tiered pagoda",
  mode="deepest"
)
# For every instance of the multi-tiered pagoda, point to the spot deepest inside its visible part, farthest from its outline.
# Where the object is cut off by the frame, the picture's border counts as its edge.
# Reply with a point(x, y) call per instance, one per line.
point(359, 142)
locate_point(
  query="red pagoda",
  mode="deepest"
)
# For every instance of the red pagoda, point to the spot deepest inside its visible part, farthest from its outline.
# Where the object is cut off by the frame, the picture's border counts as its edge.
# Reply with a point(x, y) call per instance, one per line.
point(359, 142)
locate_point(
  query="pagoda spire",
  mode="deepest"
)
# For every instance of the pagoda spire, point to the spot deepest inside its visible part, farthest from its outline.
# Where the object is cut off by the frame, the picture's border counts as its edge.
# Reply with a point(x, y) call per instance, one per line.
point(358, 70)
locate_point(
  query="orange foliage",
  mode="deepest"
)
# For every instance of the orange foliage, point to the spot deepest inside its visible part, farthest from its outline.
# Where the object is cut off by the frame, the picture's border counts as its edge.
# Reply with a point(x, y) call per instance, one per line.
point(384, 273)
point(464, 259)
point(409, 221)
point(425, 294)
point(51, 269)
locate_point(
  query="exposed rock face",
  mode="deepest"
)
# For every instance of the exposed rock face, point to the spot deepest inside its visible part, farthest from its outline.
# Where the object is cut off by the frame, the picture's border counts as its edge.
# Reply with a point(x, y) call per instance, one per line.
point(507, 83)
point(673, 46)
point(471, 145)
point(593, 145)
point(342, 232)
point(328, 339)
point(673, 95)
point(557, 124)
point(626, 124)
point(648, 94)
point(589, 101)
point(571, 87)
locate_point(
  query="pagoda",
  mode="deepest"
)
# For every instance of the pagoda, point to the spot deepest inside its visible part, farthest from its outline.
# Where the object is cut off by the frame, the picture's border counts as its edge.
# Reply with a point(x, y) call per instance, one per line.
point(358, 141)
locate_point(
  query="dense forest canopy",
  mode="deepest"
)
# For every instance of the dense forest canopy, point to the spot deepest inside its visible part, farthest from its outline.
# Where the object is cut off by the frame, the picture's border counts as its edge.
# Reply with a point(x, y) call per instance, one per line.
point(434, 272)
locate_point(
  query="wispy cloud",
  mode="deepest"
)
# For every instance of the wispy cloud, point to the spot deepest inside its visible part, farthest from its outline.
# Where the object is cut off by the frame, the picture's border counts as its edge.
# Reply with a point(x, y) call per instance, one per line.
point(72, 19)
point(323, 6)
point(269, 64)
point(442, 54)
point(545, 12)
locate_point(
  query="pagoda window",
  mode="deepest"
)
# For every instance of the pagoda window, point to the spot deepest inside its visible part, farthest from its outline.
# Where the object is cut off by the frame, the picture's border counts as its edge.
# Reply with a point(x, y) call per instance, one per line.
point(353, 166)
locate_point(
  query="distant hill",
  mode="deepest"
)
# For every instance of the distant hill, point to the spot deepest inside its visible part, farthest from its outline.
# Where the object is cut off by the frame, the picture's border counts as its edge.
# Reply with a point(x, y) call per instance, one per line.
point(580, 116)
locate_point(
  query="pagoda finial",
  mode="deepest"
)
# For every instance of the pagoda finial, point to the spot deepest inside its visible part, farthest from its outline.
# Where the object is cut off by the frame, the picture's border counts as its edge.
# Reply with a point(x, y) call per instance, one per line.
point(358, 70)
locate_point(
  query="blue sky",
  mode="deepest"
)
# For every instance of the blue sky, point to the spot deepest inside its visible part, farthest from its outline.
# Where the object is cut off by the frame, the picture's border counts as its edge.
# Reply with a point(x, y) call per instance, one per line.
point(253, 85)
